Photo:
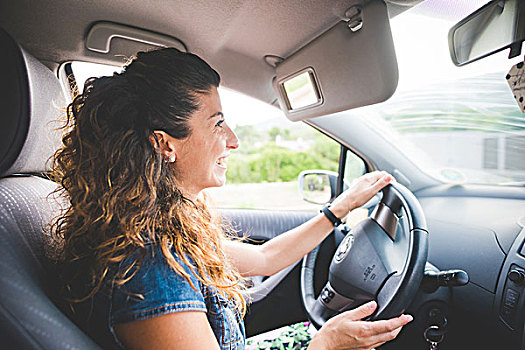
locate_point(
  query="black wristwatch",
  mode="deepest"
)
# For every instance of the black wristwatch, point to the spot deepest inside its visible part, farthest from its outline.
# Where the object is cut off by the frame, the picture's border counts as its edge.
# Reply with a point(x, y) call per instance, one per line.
point(331, 216)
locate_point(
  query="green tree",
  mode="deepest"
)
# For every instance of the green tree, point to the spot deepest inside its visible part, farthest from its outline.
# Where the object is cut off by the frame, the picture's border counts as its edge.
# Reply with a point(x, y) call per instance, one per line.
point(271, 163)
point(275, 131)
point(274, 164)
point(249, 137)
point(272, 134)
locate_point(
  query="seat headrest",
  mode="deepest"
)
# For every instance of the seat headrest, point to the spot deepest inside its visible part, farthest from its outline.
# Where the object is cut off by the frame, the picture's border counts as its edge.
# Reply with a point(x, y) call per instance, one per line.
point(31, 104)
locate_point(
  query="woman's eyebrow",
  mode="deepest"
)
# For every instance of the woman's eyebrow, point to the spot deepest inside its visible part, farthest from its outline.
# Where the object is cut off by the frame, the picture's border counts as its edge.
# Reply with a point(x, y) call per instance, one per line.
point(218, 114)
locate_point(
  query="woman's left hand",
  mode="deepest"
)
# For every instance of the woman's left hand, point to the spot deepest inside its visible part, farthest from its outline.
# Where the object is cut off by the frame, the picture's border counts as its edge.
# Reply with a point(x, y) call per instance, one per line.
point(360, 192)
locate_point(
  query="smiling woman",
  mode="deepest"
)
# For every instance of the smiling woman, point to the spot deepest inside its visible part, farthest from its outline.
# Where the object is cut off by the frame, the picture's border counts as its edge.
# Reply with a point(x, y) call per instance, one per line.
point(145, 261)
point(168, 274)
point(139, 148)
point(262, 173)
point(202, 157)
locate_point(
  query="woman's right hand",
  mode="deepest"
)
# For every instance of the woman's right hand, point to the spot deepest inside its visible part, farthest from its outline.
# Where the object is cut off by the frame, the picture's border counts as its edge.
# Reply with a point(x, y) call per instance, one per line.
point(348, 330)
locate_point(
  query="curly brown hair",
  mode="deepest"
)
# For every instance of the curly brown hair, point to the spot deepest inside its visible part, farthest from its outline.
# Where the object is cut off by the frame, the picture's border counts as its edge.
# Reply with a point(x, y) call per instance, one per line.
point(122, 194)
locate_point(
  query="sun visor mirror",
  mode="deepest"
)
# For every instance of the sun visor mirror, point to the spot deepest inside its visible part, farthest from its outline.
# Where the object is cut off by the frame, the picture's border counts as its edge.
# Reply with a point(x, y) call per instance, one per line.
point(353, 64)
point(498, 25)
point(301, 90)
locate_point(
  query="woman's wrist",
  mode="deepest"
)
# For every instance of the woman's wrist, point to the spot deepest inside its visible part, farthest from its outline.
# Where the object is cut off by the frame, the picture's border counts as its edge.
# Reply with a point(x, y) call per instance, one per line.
point(325, 337)
point(340, 213)
point(318, 342)
point(340, 210)
point(342, 205)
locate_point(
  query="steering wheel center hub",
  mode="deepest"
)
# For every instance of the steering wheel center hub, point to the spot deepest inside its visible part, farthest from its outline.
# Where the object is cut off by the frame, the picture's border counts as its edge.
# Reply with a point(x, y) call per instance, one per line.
point(358, 270)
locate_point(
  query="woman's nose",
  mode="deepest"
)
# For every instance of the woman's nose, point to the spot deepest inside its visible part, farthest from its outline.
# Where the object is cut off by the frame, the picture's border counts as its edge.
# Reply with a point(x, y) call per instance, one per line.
point(232, 141)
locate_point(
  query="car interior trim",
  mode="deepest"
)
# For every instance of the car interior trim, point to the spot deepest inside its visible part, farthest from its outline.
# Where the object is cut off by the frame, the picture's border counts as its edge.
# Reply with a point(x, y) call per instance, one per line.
point(341, 170)
point(384, 216)
point(41, 91)
point(260, 291)
point(14, 83)
point(28, 277)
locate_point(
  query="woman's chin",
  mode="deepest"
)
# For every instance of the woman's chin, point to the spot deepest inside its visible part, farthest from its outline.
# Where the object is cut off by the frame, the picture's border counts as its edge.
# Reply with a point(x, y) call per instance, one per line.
point(219, 181)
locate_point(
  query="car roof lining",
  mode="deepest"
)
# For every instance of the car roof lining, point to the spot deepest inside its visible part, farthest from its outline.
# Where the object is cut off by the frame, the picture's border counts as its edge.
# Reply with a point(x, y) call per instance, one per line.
point(233, 35)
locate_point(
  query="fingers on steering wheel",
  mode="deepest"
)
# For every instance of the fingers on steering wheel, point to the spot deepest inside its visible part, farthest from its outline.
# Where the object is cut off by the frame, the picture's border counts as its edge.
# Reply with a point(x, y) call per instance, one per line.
point(376, 332)
point(362, 311)
point(386, 326)
point(380, 332)
point(382, 338)
point(374, 175)
point(384, 179)
point(379, 183)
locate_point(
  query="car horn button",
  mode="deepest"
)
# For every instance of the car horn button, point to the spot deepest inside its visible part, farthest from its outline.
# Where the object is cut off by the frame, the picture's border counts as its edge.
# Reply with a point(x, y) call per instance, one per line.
point(344, 248)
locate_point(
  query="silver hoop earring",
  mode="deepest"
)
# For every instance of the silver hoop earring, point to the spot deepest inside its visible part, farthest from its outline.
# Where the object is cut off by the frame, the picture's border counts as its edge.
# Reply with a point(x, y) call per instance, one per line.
point(171, 158)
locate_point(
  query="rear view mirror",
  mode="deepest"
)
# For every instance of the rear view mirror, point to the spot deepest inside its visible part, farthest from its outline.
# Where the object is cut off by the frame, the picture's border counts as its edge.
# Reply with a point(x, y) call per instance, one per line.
point(317, 186)
point(498, 25)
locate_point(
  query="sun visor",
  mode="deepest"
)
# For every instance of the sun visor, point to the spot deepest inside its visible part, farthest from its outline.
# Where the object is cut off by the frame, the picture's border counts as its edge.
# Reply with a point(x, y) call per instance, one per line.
point(353, 64)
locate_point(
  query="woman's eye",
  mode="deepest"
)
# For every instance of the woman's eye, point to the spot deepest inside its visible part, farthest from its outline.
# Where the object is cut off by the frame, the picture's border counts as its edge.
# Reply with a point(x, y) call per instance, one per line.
point(219, 123)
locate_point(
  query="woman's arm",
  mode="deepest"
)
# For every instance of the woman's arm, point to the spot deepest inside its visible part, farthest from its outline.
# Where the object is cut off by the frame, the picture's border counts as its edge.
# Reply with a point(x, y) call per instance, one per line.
point(180, 330)
point(289, 247)
point(191, 330)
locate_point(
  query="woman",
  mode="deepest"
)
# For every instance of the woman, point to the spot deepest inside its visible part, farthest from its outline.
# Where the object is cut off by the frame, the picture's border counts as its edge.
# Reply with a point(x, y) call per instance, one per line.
point(145, 262)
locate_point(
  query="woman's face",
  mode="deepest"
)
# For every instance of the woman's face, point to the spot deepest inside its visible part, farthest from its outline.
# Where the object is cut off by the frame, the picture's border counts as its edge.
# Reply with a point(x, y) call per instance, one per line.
point(201, 158)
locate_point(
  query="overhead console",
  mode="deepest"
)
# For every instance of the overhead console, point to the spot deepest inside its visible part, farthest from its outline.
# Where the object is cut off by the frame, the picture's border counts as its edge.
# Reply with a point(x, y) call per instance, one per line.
point(353, 64)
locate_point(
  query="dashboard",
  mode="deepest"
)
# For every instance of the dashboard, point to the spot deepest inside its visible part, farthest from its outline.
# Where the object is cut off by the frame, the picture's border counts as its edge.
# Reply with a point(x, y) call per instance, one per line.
point(480, 229)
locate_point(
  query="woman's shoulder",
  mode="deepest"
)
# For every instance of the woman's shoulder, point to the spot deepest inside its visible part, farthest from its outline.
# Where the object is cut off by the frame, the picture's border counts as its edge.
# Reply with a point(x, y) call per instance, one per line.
point(148, 267)
point(154, 287)
point(151, 258)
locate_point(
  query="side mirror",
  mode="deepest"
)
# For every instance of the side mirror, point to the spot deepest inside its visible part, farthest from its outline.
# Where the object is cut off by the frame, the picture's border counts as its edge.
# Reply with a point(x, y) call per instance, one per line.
point(318, 186)
point(498, 25)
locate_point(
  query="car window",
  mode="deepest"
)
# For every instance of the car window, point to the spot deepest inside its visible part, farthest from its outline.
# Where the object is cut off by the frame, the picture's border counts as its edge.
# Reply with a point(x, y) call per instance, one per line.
point(458, 124)
point(354, 167)
point(84, 70)
point(262, 172)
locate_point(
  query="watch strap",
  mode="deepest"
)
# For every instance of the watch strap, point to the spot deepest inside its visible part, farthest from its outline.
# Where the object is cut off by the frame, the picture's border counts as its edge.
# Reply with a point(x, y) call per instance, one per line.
point(331, 216)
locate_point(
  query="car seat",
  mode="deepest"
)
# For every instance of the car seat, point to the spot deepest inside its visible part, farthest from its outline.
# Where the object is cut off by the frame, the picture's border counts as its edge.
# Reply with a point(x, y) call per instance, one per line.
point(31, 102)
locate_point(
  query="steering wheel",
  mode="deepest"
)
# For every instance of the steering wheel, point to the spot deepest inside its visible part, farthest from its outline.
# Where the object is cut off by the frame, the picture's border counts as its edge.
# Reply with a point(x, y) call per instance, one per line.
point(382, 258)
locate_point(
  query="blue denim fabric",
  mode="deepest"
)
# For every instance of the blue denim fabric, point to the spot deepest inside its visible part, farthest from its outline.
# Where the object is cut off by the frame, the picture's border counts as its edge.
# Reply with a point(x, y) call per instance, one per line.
point(156, 289)
point(225, 321)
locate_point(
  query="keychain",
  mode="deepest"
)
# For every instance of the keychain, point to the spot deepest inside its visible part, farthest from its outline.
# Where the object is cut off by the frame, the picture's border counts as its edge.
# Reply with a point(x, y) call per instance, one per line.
point(433, 339)
point(516, 80)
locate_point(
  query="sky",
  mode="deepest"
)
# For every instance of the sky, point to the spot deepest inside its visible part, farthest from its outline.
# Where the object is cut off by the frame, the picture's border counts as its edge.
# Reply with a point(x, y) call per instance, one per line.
point(416, 35)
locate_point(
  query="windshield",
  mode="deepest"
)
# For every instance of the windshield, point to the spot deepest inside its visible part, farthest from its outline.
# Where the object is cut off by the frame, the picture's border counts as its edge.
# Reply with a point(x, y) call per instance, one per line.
point(459, 124)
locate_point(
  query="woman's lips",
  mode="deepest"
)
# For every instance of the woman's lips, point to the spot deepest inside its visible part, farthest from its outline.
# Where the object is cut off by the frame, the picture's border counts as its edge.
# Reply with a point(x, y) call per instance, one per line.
point(222, 161)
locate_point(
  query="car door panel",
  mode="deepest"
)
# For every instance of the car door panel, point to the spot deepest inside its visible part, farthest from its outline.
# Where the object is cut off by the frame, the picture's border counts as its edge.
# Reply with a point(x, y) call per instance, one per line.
point(263, 225)
point(276, 300)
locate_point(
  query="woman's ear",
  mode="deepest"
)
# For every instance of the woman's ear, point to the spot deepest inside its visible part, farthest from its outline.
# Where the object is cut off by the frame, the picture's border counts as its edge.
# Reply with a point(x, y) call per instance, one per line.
point(163, 144)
